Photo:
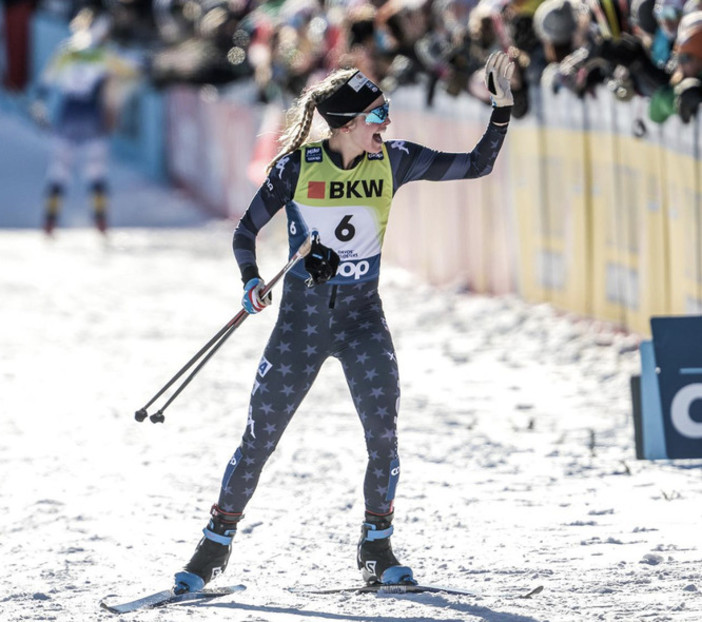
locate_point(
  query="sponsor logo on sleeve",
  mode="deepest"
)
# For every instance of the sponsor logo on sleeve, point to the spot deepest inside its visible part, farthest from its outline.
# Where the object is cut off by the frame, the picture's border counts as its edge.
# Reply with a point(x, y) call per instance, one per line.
point(399, 145)
point(280, 166)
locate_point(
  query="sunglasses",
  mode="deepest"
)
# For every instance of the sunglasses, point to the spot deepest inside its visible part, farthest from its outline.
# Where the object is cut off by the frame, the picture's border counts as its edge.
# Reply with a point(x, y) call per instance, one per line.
point(375, 116)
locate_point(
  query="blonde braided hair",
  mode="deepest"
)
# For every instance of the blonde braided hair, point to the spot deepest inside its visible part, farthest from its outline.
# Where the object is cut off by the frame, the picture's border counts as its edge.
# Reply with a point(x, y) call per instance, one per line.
point(301, 113)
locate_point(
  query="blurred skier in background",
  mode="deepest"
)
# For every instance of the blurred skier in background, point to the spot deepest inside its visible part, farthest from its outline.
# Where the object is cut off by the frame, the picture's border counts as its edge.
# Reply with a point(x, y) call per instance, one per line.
point(340, 190)
point(72, 100)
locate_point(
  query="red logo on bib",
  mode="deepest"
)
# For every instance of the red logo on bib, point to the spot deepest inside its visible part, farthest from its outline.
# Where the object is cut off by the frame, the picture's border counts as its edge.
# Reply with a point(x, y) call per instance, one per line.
point(315, 190)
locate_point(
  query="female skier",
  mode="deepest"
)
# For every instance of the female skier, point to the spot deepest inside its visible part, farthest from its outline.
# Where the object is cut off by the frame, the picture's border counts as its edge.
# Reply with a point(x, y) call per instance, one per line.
point(340, 190)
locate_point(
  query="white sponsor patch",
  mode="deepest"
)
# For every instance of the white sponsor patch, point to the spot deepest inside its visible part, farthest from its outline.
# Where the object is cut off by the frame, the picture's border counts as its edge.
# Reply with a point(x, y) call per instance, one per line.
point(359, 81)
point(264, 367)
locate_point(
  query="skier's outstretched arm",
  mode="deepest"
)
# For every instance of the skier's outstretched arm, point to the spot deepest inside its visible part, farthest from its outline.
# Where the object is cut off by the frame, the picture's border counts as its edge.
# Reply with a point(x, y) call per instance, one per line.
point(412, 162)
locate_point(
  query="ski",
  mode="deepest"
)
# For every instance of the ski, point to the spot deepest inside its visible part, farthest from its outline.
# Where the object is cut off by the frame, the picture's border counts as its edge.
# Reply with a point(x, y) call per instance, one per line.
point(169, 597)
point(407, 588)
point(392, 588)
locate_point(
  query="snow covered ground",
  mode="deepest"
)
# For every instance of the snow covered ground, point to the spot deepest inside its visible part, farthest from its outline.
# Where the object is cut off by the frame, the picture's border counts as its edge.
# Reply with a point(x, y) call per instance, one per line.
point(515, 434)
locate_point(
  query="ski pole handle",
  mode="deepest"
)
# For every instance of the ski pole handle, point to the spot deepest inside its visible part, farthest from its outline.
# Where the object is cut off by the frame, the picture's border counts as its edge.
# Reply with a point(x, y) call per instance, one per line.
point(301, 253)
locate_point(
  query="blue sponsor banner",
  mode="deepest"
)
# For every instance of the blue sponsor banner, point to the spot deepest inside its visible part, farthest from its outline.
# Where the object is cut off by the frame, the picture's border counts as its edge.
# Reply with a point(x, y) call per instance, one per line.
point(671, 389)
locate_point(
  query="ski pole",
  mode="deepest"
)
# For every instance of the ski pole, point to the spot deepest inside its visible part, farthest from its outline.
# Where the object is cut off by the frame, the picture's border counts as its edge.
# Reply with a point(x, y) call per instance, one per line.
point(216, 342)
point(158, 416)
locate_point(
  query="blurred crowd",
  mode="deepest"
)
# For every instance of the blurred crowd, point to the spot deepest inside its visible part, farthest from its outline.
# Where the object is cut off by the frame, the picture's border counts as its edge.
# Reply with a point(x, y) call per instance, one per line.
point(650, 48)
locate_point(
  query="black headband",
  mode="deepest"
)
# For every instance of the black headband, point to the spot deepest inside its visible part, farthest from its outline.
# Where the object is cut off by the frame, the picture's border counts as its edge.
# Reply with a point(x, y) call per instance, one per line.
point(351, 98)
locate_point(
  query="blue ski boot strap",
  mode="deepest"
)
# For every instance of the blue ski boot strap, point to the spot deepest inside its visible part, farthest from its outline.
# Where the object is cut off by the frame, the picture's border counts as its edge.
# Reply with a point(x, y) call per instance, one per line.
point(398, 574)
point(225, 539)
point(187, 582)
point(377, 534)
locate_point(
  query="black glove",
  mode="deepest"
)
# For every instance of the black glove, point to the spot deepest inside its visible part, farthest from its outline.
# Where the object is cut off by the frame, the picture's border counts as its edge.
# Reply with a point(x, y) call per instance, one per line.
point(688, 96)
point(321, 263)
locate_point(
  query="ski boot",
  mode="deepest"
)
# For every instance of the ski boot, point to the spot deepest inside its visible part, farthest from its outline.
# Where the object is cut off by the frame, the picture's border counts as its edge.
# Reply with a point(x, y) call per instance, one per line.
point(99, 192)
point(49, 224)
point(375, 557)
point(101, 223)
point(52, 208)
point(212, 553)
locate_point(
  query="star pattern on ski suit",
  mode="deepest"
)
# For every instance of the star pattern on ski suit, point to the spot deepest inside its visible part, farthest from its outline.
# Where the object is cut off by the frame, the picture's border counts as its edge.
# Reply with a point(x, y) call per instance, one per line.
point(305, 334)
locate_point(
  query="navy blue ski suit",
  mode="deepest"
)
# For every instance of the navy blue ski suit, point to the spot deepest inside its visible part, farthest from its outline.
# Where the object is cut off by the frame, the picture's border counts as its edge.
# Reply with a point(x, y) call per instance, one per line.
point(342, 318)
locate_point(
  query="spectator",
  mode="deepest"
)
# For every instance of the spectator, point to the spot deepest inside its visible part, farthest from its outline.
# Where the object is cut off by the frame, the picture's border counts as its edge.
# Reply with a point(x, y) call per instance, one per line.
point(684, 93)
point(560, 26)
point(516, 30)
point(643, 21)
point(284, 46)
point(668, 14)
point(556, 25)
point(611, 54)
point(471, 48)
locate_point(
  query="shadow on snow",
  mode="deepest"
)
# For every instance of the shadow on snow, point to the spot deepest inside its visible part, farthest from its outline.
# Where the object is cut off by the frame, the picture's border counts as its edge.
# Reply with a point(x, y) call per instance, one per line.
point(483, 613)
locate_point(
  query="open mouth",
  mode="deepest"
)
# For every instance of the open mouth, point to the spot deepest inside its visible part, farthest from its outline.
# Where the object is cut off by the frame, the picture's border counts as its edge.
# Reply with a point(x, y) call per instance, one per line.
point(377, 138)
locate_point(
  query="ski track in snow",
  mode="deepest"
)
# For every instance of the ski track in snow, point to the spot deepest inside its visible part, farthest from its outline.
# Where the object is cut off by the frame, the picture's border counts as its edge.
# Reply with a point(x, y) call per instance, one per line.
point(516, 441)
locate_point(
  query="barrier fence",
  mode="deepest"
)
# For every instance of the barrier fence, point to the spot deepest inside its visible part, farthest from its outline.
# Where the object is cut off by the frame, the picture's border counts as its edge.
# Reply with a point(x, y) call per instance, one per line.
point(581, 211)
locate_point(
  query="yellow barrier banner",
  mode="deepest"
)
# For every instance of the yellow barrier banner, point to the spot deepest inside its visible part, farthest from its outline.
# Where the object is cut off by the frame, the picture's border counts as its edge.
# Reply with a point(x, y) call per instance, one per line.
point(682, 195)
point(609, 264)
point(645, 239)
point(565, 238)
point(449, 232)
point(526, 146)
